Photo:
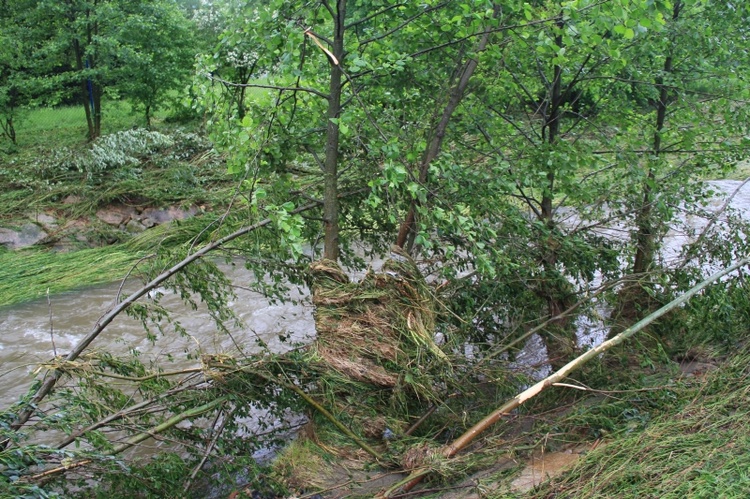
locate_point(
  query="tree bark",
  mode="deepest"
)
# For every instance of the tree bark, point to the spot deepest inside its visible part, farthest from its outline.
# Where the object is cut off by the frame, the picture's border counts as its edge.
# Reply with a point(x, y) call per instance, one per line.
point(560, 341)
point(330, 196)
point(408, 226)
point(85, 98)
point(633, 299)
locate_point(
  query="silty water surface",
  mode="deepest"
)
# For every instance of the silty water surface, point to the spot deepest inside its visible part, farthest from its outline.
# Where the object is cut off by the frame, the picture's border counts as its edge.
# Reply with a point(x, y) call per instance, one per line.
point(31, 333)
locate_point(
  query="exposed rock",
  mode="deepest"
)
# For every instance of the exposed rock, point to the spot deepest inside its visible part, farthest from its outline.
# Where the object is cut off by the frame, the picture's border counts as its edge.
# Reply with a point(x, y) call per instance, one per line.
point(28, 235)
point(71, 199)
point(135, 227)
point(66, 245)
point(696, 368)
point(160, 216)
point(75, 225)
point(116, 214)
point(46, 220)
point(67, 233)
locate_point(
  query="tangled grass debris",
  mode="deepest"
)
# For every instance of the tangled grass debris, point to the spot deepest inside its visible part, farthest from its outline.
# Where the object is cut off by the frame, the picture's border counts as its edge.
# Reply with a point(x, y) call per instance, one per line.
point(695, 449)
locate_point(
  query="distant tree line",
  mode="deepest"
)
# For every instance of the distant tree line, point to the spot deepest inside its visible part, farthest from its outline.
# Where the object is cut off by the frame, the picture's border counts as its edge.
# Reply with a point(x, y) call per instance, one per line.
point(79, 51)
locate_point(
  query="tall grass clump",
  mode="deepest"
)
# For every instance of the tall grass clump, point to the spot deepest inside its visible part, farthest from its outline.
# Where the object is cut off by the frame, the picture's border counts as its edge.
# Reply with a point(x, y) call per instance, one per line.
point(27, 275)
point(697, 450)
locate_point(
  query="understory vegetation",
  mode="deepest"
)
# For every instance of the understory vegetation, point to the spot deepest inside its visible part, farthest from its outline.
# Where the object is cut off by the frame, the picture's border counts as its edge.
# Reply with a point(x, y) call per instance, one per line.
point(688, 444)
point(509, 180)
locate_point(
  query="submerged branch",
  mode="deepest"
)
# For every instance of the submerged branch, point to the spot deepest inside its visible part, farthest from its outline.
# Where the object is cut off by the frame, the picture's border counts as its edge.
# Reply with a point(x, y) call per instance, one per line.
point(134, 440)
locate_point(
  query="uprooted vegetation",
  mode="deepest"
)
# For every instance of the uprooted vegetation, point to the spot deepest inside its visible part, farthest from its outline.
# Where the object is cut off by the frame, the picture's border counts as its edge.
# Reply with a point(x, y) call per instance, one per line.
point(379, 398)
point(696, 448)
point(373, 382)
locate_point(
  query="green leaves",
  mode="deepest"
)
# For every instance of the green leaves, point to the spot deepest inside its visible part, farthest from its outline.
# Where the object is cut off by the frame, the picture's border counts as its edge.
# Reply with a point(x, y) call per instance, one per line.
point(290, 226)
point(625, 31)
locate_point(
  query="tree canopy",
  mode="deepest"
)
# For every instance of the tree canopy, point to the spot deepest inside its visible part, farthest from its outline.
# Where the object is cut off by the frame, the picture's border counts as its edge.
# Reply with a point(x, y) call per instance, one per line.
point(519, 162)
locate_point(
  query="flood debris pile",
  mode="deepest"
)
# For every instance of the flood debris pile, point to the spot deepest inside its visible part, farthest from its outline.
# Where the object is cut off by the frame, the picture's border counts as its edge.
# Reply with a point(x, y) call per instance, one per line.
point(376, 357)
point(375, 387)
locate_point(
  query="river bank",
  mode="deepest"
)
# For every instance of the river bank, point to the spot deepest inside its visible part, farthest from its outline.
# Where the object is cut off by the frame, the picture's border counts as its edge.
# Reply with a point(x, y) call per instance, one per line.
point(619, 395)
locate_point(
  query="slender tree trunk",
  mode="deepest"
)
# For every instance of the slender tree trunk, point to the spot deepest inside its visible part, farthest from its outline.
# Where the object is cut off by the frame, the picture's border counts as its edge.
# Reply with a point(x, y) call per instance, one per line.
point(85, 97)
point(330, 197)
point(408, 227)
point(96, 89)
point(644, 254)
point(559, 340)
point(633, 298)
point(9, 129)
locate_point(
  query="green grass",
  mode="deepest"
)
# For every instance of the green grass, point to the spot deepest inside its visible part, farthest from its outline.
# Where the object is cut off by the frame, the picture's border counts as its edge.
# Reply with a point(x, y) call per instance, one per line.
point(697, 449)
point(65, 126)
point(30, 274)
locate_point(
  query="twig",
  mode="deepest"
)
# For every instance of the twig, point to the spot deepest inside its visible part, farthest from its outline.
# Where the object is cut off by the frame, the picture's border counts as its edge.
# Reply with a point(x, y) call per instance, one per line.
point(690, 253)
point(217, 433)
point(577, 387)
point(314, 38)
point(59, 469)
point(609, 392)
point(124, 279)
point(51, 328)
point(147, 377)
point(191, 413)
point(330, 417)
point(271, 87)
point(118, 415)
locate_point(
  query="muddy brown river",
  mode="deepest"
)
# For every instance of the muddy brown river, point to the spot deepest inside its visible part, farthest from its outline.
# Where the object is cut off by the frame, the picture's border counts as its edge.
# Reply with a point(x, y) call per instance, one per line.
point(31, 333)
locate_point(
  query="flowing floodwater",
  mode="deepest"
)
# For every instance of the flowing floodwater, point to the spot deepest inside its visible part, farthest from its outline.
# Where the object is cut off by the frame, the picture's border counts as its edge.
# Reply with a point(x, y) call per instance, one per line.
point(32, 332)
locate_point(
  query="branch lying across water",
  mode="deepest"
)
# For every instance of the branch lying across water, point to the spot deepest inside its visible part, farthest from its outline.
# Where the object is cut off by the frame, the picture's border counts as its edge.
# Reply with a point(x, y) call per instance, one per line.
point(136, 439)
point(49, 383)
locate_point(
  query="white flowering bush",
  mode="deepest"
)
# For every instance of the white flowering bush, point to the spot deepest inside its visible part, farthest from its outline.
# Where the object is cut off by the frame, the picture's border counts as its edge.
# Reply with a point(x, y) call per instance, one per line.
point(114, 157)
point(121, 149)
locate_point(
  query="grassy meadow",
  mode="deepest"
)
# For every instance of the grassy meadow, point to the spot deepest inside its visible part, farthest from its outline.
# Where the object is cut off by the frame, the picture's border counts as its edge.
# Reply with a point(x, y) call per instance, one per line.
point(43, 175)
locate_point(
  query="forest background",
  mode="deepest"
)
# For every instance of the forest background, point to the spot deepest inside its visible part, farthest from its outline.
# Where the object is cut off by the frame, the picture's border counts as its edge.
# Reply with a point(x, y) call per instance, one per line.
point(529, 156)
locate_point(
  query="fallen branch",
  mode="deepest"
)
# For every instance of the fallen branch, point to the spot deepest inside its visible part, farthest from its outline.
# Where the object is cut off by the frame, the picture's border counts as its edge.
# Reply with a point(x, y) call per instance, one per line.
point(465, 439)
point(210, 447)
point(134, 440)
point(330, 417)
point(119, 415)
point(289, 385)
point(49, 383)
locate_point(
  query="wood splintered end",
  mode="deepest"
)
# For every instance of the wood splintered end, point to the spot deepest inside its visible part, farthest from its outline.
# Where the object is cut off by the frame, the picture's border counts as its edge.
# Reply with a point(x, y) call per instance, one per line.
point(317, 42)
point(530, 393)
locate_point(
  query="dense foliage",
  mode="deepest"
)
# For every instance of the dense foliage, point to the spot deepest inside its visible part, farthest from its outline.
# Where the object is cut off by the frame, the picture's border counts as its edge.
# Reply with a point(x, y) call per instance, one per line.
point(530, 155)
